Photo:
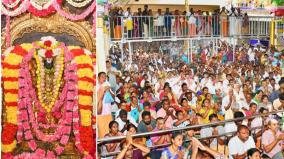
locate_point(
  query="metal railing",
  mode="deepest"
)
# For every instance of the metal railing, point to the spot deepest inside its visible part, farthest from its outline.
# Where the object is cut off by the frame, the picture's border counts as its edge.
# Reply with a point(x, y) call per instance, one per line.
point(180, 26)
point(102, 141)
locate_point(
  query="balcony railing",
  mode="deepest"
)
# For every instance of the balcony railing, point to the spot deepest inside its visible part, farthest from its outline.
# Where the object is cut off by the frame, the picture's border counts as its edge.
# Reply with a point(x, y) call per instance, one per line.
point(225, 135)
point(179, 26)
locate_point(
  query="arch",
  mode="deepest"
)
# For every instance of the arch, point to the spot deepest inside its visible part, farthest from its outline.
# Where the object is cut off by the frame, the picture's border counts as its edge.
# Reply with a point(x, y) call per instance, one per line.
point(27, 25)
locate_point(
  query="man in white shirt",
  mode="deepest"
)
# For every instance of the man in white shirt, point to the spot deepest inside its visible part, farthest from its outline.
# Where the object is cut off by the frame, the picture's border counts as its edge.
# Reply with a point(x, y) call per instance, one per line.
point(160, 22)
point(238, 93)
point(245, 103)
point(204, 80)
point(226, 82)
point(127, 12)
point(238, 145)
point(251, 54)
point(228, 101)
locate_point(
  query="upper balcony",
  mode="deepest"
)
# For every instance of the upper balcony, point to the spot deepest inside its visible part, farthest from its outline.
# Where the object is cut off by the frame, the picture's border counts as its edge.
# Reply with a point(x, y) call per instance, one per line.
point(175, 27)
point(178, 2)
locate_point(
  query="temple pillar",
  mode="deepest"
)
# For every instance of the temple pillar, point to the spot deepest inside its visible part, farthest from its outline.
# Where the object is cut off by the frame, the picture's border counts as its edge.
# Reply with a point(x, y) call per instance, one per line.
point(100, 44)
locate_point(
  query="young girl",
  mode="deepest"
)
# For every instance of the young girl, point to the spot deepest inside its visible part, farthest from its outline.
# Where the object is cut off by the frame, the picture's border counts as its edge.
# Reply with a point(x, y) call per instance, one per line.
point(113, 131)
point(253, 153)
point(175, 151)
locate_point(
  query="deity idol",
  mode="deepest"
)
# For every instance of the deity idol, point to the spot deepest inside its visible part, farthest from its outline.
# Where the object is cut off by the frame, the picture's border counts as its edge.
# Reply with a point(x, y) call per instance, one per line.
point(48, 98)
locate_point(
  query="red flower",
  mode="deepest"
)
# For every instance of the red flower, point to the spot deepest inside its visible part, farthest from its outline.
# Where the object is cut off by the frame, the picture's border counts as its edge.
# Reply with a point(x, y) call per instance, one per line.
point(94, 120)
point(77, 52)
point(9, 133)
point(86, 137)
point(7, 155)
point(19, 50)
point(48, 53)
point(47, 43)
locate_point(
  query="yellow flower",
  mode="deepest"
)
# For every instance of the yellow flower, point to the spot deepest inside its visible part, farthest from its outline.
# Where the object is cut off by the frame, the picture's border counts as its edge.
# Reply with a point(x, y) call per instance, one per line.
point(11, 97)
point(10, 72)
point(86, 72)
point(86, 117)
point(27, 46)
point(85, 100)
point(11, 85)
point(11, 115)
point(83, 59)
point(87, 86)
point(10, 147)
point(73, 47)
point(13, 59)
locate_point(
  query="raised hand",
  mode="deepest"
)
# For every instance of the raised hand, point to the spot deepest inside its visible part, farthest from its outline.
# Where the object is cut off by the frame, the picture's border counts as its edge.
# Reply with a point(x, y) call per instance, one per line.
point(280, 136)
point(180, 154)
point(129, 140)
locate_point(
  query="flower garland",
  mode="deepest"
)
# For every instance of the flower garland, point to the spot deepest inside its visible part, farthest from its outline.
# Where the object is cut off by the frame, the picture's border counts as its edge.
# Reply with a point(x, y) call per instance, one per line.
point(23, 7)
point(44, 10)
point(75, 17)
point(10, 76)
point(12, 5)
point(18, 85)
point(79, 4)
point(39, 7)
point(40, 75)
point(85, 73)
point(64, 127)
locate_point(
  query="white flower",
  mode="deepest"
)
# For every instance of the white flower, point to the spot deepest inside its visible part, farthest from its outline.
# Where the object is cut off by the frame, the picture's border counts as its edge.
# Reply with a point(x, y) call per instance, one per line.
point(56, 51)
point(87, 52)
point(41, 52)
point(50, 38)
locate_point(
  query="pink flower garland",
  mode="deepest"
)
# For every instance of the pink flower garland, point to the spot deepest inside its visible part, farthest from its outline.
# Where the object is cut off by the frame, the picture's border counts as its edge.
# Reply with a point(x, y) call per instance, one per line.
point(75, 17)
point(21, 9)
point(44, 12)
point(26, 111)
point(28, 122)
point(76, 119)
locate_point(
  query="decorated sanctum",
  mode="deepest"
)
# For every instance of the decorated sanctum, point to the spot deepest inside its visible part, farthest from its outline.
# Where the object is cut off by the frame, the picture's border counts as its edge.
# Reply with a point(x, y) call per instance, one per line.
point(48, 79)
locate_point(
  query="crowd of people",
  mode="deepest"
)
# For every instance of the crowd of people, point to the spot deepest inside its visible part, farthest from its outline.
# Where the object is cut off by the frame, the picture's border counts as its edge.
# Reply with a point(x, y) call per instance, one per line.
point(156, 92)
point(149, 23)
